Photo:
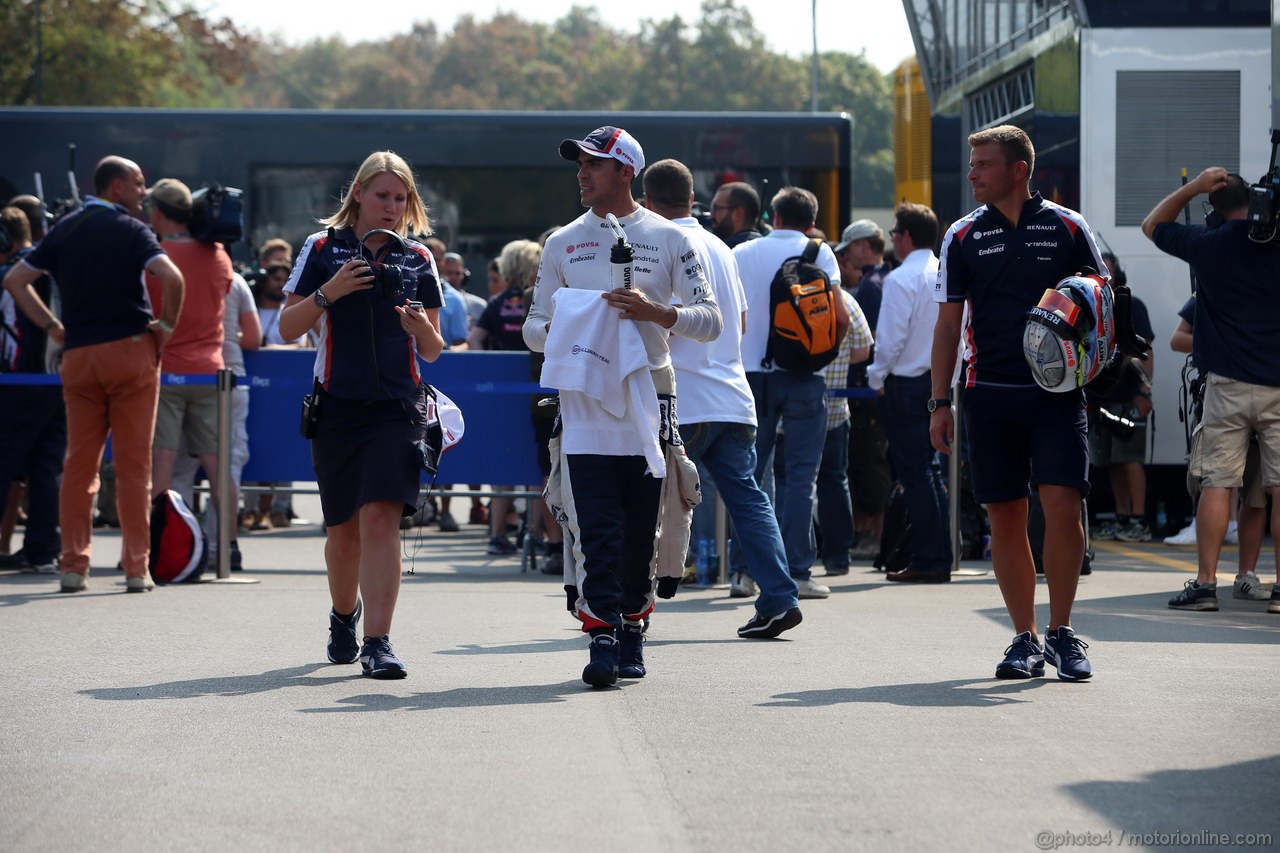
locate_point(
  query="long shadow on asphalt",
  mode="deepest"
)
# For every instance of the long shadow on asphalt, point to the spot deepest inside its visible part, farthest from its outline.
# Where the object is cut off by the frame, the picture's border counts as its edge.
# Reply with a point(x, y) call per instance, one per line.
point(232, 685)
point(1146, 618)
point(960, 693)
point(1221, 800)
point(460, 697)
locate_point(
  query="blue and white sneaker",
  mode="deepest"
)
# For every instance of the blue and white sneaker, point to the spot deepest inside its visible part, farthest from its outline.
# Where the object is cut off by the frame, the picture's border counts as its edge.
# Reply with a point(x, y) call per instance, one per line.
point(344, 637)
point(1065, 651)
point(378, 659)
point(1023, 659)
point(1195, 596)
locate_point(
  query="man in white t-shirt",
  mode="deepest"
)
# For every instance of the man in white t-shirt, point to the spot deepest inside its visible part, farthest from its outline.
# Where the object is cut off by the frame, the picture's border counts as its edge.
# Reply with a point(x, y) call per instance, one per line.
point(717, 411)
point(796, 398)
point(609, 497)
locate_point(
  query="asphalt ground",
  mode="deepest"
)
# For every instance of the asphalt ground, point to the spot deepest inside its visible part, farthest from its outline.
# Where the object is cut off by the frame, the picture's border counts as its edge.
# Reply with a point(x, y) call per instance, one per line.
point(204, 717)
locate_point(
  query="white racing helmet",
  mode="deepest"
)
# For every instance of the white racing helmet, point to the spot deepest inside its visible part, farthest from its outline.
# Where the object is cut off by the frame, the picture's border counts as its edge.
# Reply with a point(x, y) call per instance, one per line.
point(1071, 335)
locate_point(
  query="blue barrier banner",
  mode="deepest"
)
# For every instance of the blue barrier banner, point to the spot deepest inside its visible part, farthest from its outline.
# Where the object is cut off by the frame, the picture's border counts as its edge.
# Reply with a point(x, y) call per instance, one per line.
point(493, 389)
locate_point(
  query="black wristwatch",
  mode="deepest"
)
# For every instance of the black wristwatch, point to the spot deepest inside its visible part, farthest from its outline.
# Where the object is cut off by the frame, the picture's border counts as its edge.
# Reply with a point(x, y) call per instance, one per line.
point(936, 403)
point(321, 299)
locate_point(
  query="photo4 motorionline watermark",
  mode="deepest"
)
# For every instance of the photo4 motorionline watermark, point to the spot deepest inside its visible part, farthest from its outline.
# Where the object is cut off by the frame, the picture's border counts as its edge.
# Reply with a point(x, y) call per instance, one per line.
point(1049, 840)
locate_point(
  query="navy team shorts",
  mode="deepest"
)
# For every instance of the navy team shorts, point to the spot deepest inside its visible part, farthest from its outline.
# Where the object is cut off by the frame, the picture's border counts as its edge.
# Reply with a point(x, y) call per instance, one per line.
point(1015, 437)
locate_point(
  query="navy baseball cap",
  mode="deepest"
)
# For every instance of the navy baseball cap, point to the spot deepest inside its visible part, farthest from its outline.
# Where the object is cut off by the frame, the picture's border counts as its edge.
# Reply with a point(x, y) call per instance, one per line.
point(607, 141)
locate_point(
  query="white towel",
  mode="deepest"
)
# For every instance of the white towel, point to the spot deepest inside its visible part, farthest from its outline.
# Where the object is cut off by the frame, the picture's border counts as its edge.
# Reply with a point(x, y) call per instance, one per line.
point(599, 364)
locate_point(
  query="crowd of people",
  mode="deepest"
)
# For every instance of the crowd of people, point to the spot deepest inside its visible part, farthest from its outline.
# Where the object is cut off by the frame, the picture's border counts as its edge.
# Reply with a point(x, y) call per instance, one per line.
point(809, 463)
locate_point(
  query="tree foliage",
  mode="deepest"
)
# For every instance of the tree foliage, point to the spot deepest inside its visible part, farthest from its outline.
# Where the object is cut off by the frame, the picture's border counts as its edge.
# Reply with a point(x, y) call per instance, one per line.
point(155, 53)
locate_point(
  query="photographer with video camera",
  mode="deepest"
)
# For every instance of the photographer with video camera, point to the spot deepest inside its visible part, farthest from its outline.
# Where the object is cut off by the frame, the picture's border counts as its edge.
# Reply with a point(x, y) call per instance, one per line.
point(377, 297)
point(1236, 329)
point(188, 411)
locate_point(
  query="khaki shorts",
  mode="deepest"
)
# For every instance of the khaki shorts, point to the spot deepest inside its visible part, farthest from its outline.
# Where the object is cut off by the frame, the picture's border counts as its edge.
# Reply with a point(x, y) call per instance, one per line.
point(1251, 494)
point(1235, 411)
point(190, 411)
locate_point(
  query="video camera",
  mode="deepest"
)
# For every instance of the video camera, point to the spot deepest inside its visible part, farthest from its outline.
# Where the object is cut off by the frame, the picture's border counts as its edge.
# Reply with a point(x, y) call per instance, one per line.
point(217, 214)
point(1264, 201)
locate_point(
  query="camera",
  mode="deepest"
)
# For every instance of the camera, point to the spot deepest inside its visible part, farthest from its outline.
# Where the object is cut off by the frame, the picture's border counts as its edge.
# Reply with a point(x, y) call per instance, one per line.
point(1264, 201)
point(217, 214)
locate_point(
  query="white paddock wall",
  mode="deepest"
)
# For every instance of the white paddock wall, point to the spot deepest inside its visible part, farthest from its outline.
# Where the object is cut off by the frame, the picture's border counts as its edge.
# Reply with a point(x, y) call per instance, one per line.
point(1123, 130)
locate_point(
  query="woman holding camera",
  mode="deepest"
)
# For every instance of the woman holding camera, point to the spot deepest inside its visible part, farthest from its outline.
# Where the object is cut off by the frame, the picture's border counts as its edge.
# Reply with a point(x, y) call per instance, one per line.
point(376, 297)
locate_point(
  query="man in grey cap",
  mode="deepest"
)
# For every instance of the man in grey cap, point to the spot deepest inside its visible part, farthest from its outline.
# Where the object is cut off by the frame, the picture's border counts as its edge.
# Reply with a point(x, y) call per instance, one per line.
point(862, 265)
point(863, 268)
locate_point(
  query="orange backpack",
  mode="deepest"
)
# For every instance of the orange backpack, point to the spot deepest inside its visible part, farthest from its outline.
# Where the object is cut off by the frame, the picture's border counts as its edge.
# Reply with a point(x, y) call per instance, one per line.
point(802, 315)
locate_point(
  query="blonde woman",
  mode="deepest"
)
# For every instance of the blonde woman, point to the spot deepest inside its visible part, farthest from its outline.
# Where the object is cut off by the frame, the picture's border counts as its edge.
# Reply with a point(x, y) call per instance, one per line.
point(376, 296)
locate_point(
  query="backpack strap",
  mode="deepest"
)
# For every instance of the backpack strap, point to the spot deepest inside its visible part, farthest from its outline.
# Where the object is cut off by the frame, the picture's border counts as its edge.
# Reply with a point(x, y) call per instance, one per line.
point(810, 253)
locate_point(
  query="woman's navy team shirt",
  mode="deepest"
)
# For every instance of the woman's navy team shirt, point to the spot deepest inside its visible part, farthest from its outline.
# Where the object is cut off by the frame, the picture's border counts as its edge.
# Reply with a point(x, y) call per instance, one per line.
point(1003, 270)
point(363, 354)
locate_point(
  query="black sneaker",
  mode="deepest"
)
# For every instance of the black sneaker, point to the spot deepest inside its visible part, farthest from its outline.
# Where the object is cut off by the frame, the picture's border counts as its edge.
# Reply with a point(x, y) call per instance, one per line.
point(1273, 606)
point(378, 659)
point(763, 627)
point(1065, 651)
point(1023, 659)
point(344, 639)
point(553, 564)
point(501, 546)
point(1195, 597)
point(631, 652)
point(602, 671)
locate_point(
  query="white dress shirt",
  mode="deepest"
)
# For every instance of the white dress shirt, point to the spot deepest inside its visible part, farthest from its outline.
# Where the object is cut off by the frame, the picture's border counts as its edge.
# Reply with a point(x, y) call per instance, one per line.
point(904, 333)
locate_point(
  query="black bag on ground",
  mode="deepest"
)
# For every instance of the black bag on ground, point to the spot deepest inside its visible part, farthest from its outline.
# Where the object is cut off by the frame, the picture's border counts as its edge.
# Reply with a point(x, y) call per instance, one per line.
point(894, 535)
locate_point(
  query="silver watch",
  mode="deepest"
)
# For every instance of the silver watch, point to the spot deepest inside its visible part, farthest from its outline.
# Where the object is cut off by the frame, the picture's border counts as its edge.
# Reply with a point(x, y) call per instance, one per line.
point(320, 298)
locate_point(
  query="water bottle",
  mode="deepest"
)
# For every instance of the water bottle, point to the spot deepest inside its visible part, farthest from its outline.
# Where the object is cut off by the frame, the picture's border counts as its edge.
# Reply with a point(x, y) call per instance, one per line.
point(704, 563)
point(1162, 517)
point(620, 257)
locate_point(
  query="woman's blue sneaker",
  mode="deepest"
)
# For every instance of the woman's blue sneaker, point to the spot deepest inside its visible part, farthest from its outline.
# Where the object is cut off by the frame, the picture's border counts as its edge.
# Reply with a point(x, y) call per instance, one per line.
point(344, 643)
point(1023, 659)
point(1065, 651)
point(379, 660)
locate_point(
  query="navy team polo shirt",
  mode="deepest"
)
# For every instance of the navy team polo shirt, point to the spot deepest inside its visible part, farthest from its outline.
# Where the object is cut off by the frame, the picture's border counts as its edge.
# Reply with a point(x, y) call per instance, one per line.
point(1003, 269)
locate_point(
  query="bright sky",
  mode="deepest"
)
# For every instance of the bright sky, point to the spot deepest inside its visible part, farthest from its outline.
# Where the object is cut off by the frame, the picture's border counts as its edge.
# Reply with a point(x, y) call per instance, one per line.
point(877, 26)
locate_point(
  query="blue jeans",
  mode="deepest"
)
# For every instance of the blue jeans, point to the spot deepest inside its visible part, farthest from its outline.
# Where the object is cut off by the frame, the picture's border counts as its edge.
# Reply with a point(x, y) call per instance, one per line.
point(798, 400)
point(916, 466)
point(835, 507)
point(728, 452)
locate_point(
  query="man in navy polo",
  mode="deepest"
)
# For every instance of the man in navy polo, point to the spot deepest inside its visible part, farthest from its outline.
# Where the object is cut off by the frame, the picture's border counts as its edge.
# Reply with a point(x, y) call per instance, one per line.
point(111, 362)
point(999, 260)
